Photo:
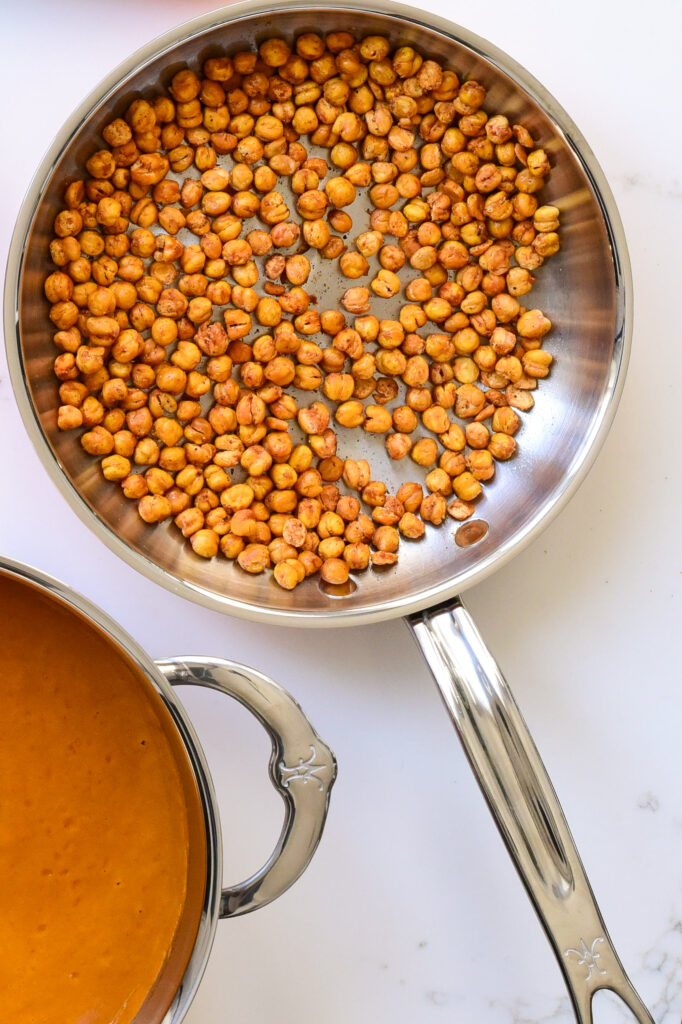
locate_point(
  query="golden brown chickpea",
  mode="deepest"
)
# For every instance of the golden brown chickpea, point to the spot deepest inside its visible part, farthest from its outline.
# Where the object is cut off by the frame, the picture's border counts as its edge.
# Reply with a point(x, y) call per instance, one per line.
point(438, 481)
point(340, 221)
point(433, 509)
point(314, 419)
point(231, 546)
point(425, 452)
point(536, 363)
point(357, 101)
point(98, 441)
point(505, 421)
point(297, 269)
point(312, 204)
point(134, 486)
point(481, 465)
point(391, 257)
point(436, 419)
point(470, 400)
point(64, 250)
point(189, 521)
point(338, 387)
point(154, 508)
point(146, 452)
point(353, 265)
point(383, 558)
point(289, 573)
point(466, 486)
point(340, 192)
point(386, 284)
point(254, 558)
point(274, 52)
point(69, 417)
point(356, 555)
point(378, 419)
point(334, 571)
point(386, 538)
point(316, 232)
point(310, 46)
point(334, 248)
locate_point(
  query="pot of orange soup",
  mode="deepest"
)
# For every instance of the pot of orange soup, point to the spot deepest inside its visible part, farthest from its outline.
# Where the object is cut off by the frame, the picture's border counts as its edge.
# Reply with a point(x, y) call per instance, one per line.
point(110, 849)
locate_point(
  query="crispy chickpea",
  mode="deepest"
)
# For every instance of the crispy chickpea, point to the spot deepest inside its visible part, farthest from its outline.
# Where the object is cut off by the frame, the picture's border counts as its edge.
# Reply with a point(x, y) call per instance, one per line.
point(335, 571)
point(470, 400)
point(231, 546)
point(386, 284)
point(289, 573)
point(120, 298)
point(439, 482)
point(340, 221)
point(433, 509)
point(411, 526)
point(338, 387)
point(254, 558)
point(466, 486)
point(378, 420)
point(436, 419)
point(189, 521)
point(357, 555)
point(314, 419)
point(154, 508)
point(340, 192)
point(398, 445)
point(505, 421)
point(312, 204)
point(69, 417)
point(480, 464)
point(425, 452)
point(205, 543)
point(461, 510)
point(350, 413)
point(386, 538)
point(353, 265)
point(501, 446)
point(477, 435)
point(98, 441)
point(297, 269)
point(533, 324)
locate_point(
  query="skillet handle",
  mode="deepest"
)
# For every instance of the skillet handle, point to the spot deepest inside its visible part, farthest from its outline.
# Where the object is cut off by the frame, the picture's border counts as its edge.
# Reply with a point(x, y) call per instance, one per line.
point(522, 800)
point(302, 769)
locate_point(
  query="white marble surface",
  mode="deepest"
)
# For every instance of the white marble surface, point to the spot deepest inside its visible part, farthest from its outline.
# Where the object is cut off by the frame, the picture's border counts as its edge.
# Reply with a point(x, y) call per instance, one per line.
point(411, 912)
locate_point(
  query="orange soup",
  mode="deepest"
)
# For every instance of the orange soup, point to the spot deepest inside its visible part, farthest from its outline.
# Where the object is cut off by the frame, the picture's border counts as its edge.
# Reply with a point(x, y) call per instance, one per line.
point(102, 840)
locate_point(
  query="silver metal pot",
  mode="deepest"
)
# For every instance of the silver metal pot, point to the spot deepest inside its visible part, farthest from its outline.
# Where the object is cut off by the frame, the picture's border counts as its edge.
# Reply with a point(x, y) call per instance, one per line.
point(302, 769)
point(586, 290)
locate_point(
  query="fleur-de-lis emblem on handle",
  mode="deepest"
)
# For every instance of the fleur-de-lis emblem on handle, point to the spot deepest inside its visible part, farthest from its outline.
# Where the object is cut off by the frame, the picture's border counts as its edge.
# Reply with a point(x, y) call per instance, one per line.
point(587, 956)
point(305, 771)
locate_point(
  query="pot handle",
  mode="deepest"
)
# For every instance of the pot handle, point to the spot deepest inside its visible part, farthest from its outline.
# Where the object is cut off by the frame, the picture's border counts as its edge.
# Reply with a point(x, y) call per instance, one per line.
point(302, 769)
point(524, 805)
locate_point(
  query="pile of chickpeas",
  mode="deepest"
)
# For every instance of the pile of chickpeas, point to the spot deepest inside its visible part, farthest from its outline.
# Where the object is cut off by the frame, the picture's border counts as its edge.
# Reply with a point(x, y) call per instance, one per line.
point(188, 339)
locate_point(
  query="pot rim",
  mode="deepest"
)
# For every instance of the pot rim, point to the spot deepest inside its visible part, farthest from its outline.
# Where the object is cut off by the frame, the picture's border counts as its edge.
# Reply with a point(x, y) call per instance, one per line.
point(591, 444)
point(62, 592)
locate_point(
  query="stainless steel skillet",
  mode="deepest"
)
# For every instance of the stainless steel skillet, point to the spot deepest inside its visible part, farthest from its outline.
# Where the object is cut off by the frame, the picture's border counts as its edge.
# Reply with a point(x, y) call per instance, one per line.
point(587, 292)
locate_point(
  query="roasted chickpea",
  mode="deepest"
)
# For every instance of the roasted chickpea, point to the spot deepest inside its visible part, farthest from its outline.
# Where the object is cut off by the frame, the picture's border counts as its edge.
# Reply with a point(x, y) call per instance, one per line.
point(425, 452)
point(353, 265)
point(135, 317)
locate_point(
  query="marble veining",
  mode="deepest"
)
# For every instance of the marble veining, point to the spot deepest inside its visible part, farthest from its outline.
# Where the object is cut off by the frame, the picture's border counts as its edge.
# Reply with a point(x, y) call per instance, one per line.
point(664, 960)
